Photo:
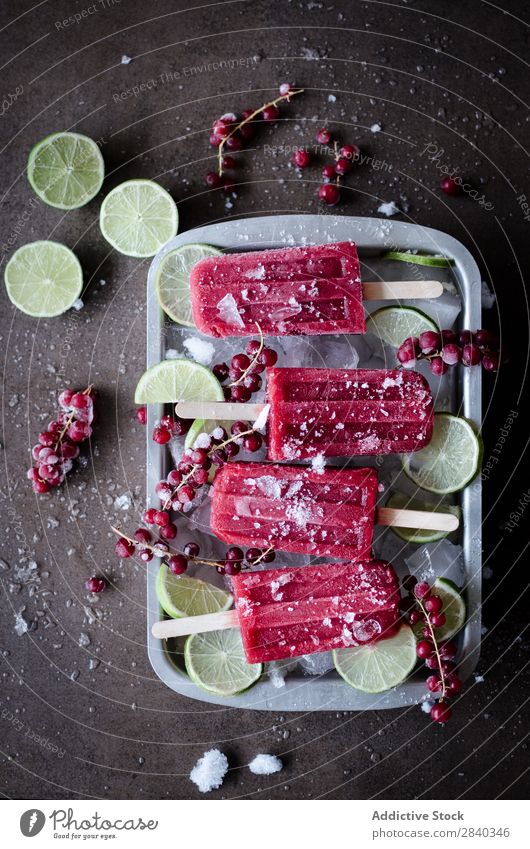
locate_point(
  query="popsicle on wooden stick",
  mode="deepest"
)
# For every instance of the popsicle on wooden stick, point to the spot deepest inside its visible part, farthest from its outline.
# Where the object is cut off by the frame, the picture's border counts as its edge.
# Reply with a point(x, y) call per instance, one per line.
point(324, 512)
point(290, 612)
point(335, 412)
point(290, 291)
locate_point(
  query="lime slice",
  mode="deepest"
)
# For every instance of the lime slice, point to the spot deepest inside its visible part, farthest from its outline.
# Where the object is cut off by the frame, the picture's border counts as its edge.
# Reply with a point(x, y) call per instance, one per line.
point(392, 325)
point(177, 380)
point(172, 282)
point(401, 501)
point(454, 608)
point(205, 426)
point(43, 279)
point(138, 218)
point(451, 459)
point(66, 170)
point(420, 259)
point(180, 595)
point(216, 662)
point(379, 666)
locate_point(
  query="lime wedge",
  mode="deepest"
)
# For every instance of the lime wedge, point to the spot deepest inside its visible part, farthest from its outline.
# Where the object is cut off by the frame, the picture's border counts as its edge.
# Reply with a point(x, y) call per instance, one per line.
point(401, 501)
point(454, 608)
point(379, 666)
point(177, 380)
point(172, 282)
point(66, 170)
point(451, 459)
point(216, 662)
point(138, 218)
point(392, 325)
point(180, 595)
point(420, 259)
point(43, 279)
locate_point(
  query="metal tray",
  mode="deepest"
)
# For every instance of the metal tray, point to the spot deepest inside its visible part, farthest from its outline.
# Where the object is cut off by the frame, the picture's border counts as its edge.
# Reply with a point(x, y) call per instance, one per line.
point(373, 237)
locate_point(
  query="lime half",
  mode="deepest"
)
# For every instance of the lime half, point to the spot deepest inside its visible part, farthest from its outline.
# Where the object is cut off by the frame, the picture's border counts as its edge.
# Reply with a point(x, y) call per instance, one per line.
point(172, 282)
point(216, 662)
point(138, 218)
point(66, 170)
point(43, 279)
point(177, 380)
point(454, 608)
point(180, 595)
point(379, 666)
point(451, 459)
point(400, 501)
point(392, 325)
point(420, 259)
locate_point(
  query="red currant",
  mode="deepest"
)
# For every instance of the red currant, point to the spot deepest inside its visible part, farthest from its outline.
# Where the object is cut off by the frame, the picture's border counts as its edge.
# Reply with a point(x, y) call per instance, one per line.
point(124, 548)
point(161, 435)
point(450, 186)
point(323, 136)
point(213, 180)
point(301, 158)
point(424, 649)
point(270, 113)
point(141, 415)
point(177, 564)
point(95, 585)
point(350, 151)
point(441, 712)
point(329, 193)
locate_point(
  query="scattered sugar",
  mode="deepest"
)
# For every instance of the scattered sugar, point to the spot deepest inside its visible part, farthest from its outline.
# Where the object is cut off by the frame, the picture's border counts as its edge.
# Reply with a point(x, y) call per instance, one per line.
point(265, 765)
point(202, 441)
point(256, 273)
point(125, 60)
point(78, 304)
point(228, 311)
point(209, 771)
point(276, 675)
point(426, 705)
point(200, 350)
point(123, 502)
point(269, 486)
point(388, 209)
point(375, 128)
point(332, 98)
point(318, 464)
point(488, 297)
point(479, 679)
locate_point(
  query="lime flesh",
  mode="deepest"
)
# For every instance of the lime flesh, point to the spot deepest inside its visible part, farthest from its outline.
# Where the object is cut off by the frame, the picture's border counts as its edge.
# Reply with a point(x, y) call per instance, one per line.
point(216, 662)
point(379, 666)
point(181, 595)
point(138, 218)
point(392, 325)
point(177, 380)
point(172, 282)
point(43, 279)
point(401, 501)
point(451, 459)
point(66, 170)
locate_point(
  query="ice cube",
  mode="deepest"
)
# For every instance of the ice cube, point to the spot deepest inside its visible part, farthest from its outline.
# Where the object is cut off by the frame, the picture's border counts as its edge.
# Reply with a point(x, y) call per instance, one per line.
point(440, 559)
point(316, 664)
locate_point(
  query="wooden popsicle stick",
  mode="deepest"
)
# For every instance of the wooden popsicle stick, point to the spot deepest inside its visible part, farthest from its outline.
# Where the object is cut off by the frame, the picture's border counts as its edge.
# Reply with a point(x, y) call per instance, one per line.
point(423, 520)
point(387, 290)
point(195, 624)
point(218, 410)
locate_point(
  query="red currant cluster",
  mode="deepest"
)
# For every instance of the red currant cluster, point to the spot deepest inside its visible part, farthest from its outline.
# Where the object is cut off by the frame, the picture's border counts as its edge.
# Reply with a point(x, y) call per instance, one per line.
point(344, 159)
point(244, 371)
point(424, 609)
point(58, 446)
point(448, 348)
point(143, 544)
point(232, 132)
point(169, 427)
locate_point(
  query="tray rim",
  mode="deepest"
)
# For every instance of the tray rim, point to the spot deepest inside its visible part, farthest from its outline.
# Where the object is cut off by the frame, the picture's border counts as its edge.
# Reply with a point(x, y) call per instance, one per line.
point(327, 692)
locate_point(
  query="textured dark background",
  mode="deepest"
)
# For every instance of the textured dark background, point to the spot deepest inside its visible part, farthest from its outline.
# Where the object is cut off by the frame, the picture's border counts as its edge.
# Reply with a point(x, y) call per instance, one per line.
point(447, 73)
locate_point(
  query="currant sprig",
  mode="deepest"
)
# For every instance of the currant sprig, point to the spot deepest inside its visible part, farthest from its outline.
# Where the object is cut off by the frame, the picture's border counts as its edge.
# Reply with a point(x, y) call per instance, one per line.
point(447, 348)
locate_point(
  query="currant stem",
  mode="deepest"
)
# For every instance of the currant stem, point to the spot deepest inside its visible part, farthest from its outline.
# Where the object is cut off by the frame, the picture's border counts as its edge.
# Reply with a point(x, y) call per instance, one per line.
point(156, 550)
point(254, 360)
point(263, 554)
point(436, 649)
point(251, 117)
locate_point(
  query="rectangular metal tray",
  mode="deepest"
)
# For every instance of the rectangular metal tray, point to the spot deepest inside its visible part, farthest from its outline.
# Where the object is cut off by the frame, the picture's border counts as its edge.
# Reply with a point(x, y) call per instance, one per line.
point(373, 237)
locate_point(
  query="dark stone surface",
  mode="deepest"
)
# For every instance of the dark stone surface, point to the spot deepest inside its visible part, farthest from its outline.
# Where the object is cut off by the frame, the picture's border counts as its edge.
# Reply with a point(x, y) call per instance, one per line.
point(449, 74)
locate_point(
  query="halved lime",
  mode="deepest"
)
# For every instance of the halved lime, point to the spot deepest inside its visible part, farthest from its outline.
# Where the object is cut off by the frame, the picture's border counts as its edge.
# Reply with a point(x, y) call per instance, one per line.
point(66, 170)
point(216, 662)
point(392, 325)
point(172, 281)
point(43, 279)
point(420, 259)
point(451, 459)
point(138, 218)
point(379, 666)
point(400, 501)
point(454, 608)
point(181, 595)
point(177, 380)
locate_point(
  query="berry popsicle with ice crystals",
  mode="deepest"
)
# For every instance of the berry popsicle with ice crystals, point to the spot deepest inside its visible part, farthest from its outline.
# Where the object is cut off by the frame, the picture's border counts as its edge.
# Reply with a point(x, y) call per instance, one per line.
point(290, 291)
point(335, 412)
point(290, 612)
